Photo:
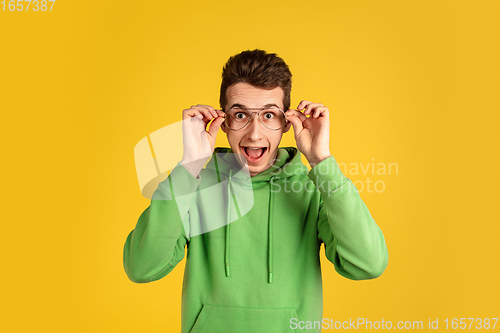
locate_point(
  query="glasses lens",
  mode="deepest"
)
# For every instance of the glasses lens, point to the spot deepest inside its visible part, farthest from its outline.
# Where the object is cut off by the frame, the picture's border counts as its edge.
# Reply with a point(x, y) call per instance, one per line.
point(237, 118)
point(272, 118)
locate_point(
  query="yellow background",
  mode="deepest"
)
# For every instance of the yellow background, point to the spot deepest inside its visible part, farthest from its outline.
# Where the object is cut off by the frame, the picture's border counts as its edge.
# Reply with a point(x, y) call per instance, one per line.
point(413, 83)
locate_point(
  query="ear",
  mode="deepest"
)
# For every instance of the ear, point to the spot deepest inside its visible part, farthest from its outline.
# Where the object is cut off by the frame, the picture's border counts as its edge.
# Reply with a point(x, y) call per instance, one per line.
point(223, 127)
point(287, 126)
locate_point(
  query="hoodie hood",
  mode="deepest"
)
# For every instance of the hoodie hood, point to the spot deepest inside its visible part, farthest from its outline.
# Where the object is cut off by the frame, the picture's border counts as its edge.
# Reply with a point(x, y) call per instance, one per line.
point(288, 163)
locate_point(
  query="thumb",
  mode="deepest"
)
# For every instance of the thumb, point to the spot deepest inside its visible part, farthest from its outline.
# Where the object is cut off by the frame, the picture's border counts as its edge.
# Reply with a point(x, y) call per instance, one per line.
point(214, 127)
point(296, 123)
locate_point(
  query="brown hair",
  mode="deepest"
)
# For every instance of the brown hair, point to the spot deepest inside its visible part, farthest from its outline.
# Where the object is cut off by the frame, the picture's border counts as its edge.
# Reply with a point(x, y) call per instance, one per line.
point(260, 69)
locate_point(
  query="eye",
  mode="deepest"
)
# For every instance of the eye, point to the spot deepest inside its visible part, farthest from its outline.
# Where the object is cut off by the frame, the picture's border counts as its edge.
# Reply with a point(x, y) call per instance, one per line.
point(268, 115)
point(240, 115)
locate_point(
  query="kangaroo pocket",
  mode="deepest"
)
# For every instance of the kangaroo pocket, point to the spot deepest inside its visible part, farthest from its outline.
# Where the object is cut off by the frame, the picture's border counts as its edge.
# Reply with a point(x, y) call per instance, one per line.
point(227, 319)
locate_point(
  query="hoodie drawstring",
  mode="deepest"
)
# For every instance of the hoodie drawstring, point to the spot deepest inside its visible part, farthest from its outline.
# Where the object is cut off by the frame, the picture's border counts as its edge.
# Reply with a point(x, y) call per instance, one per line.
point(226, 256)
point(228, 213)
point(270, 233)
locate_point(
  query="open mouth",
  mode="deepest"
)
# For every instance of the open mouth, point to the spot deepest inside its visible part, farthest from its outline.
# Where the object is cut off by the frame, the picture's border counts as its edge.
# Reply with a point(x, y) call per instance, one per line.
point(254, 154)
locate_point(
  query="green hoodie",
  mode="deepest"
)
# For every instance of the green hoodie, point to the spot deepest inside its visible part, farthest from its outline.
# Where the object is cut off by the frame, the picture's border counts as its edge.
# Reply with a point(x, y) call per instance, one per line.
point(253, 242)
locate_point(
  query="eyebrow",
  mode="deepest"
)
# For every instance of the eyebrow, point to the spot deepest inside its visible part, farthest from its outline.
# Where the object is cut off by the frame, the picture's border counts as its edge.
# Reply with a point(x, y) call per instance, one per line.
point(238, 105)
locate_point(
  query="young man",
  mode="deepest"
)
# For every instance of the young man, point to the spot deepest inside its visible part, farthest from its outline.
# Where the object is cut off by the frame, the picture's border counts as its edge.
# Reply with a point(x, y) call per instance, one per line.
point(254, 219)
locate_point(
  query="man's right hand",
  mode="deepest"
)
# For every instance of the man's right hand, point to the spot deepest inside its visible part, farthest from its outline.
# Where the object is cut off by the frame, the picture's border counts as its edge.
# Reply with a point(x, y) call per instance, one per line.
point(199, 143)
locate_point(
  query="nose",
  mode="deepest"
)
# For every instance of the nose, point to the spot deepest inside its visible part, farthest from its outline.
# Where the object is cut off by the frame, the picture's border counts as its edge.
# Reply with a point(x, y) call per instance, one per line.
point(254, 129)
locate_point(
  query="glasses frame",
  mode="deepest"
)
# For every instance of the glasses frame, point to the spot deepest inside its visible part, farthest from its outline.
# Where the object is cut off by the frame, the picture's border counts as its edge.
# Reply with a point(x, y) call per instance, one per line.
point(258, 117)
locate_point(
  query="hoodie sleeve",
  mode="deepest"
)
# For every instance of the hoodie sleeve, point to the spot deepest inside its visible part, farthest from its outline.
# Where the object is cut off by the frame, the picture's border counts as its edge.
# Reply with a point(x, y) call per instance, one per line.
point(157, 243)
point(353, 241)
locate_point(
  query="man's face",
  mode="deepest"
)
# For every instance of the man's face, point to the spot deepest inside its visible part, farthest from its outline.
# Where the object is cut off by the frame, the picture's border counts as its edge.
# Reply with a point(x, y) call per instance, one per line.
point(254, 135)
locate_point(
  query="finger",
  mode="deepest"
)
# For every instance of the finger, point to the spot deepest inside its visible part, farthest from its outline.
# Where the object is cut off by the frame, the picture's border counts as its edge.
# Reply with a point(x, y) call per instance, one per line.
point(205, 112)
point(197, 114)
point(214, 126)
point(296, 123)
point(303, 104)
point(310, 108)
point(318, 110)
point(210, 109)
point(295, 113)
point(321, 112)
point(192, 113)
point(220, 113)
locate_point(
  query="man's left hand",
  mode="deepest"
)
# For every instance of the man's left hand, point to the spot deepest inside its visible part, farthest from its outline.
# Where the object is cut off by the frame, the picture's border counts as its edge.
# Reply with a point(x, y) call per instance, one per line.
point(312, 134)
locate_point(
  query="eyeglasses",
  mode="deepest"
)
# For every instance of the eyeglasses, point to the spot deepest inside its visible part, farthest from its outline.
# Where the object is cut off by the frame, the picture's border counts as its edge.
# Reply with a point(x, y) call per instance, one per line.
point(272, 118)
